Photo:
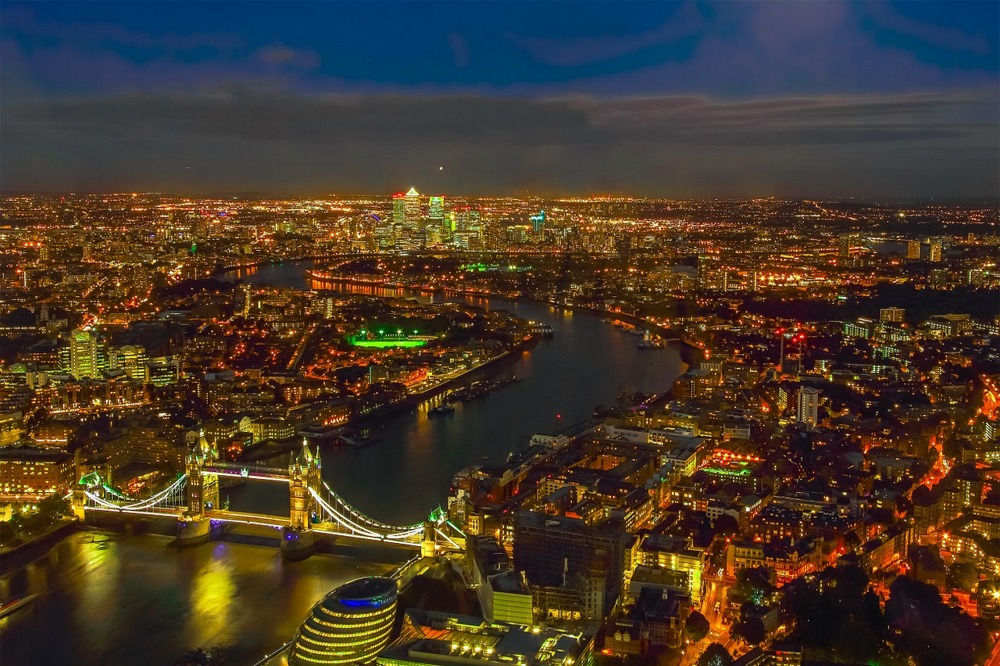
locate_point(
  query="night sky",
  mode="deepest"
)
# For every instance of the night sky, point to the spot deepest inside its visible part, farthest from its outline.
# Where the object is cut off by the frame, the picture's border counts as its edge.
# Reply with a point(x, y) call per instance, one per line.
point(872, 100)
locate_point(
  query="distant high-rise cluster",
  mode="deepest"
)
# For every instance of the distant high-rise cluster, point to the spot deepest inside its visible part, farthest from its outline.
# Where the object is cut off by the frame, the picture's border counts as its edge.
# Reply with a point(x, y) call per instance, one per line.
point(414, 226)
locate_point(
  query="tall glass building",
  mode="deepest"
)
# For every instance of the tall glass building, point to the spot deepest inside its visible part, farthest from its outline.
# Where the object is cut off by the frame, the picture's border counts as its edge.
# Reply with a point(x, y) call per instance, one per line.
point(350, 625)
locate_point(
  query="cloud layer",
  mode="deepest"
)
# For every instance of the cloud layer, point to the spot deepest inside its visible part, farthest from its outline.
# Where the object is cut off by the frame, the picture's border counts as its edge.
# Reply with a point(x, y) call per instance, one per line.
point(800, 98)
point(672, 146)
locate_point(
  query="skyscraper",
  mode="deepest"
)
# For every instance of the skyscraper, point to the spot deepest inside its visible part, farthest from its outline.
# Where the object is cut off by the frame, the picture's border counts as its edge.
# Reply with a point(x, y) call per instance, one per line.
point(894, 315)
point(437, 231)
point(808, 407)
point(410, 232)
point(83, 354)
point(913, 249)
point(435, 210)
point(538, 222)
point(399, 208)
point(936, 247)
point(411, 207)
point(844, 245)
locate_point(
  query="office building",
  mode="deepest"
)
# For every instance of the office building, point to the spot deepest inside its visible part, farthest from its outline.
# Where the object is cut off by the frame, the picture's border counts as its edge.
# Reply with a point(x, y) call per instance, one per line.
point(936, 248)
point(503, 595)
point(10, 428)
point(411, 210)
point(844, 242)
point(808, 406)
point(132, 360)
point(893, 315)
point(399, 209)
point(574, 569)
point(430, 638)
point(83, 354)
point(29, 474)
point(435, 210)
point(670, 562)
point(913, 249)
point(350, 625)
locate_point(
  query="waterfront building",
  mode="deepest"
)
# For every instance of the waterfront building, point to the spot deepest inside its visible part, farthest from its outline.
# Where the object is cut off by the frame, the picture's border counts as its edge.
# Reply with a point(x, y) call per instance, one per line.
point(431, 638)
point(350, 625)
point(913, 249)
point(503, 595)
point(29, 474)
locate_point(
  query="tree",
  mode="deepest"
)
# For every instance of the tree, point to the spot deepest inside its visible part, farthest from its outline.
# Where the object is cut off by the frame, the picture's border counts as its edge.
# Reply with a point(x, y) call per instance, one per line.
point(697, 626)
point(726, 524)
point(752, 585)
point(930, 631)
point(750, 630)
point(715, 654)
point(963, 575)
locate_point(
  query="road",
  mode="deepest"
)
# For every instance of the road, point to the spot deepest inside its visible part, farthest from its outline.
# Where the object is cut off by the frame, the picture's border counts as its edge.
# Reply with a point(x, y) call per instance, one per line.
point(716, 590)
point(293, 363)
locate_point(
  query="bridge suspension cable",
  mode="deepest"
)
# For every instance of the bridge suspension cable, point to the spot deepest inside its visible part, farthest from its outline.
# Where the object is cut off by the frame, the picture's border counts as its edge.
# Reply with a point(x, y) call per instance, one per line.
point(368, 520)
point(170, 492)
point(388, 532)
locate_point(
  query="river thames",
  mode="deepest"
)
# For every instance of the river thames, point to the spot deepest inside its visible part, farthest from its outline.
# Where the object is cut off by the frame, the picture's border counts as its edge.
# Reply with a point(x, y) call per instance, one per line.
point(125, 600)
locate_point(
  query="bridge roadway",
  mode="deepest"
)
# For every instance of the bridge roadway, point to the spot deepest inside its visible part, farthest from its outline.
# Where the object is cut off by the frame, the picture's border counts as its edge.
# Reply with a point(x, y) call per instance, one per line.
point(260, 520)
point(246, 518)
point(248, 471)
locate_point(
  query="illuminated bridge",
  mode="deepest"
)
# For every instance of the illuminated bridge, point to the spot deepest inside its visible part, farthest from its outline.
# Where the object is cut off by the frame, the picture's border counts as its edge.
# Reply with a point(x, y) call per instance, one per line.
point(315, 508)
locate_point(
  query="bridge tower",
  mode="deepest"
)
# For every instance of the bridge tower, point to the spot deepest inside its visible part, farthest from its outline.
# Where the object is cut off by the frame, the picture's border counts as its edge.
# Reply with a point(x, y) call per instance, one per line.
point(428, 545)
point(201, 492)
point(303, 477)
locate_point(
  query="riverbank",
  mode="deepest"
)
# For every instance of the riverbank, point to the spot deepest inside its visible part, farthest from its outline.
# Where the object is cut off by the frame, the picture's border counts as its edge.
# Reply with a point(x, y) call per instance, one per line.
point(690, 352)
point(509, 357)
point(19, 554)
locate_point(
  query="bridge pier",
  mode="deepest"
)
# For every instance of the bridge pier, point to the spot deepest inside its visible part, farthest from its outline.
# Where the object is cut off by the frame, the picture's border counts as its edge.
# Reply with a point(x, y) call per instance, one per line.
point(78, 503)
point(296, 543)
point(193, 530)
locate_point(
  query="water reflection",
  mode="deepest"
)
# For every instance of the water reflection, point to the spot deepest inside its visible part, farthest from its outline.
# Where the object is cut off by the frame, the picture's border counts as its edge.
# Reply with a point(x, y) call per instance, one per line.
point(139, 599)
point(213, 599)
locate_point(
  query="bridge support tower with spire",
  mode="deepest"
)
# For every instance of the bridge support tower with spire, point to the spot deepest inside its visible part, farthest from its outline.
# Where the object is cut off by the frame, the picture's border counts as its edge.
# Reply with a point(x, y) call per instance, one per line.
point(304, 475)
point(201, 492)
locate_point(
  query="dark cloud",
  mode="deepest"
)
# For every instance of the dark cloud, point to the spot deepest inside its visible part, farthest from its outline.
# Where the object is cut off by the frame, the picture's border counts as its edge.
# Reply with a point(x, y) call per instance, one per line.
point(242, 140)
point(818, 98)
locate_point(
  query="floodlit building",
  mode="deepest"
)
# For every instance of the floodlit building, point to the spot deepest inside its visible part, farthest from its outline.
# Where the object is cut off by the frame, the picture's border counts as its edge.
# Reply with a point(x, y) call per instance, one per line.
point(350, 625)
point(430, 638)
point(28, 474)
point(83, 354)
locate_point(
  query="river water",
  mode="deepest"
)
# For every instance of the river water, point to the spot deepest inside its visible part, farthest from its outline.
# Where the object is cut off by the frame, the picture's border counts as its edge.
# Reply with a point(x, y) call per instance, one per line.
point(138, 600)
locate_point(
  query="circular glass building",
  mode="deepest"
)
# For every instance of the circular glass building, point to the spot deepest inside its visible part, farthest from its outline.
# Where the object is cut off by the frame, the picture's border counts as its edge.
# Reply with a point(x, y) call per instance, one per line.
point(350, 625)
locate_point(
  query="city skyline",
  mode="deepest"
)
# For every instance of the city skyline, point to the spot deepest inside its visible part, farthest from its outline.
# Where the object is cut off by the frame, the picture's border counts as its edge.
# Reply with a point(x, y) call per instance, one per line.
point(536, 333)
point(831, 100)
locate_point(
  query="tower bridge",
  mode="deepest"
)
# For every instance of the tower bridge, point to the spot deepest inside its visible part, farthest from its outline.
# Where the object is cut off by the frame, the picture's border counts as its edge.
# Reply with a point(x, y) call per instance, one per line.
point(315, 509)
